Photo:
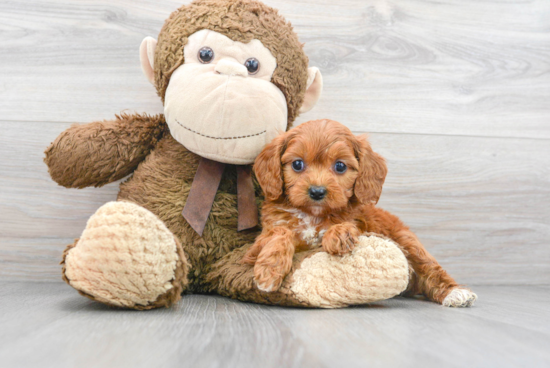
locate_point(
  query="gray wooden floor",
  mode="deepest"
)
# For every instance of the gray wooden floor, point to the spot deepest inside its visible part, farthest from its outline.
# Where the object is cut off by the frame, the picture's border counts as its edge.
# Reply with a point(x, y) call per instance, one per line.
point(50, 325)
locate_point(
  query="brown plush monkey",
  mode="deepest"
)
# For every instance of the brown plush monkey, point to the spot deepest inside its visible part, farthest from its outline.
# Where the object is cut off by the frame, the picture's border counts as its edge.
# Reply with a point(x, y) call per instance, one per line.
point(232, 75)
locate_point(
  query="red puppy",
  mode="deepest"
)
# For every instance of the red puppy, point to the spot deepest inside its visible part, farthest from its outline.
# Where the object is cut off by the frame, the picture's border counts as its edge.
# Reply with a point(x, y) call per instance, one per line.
point(321, 184)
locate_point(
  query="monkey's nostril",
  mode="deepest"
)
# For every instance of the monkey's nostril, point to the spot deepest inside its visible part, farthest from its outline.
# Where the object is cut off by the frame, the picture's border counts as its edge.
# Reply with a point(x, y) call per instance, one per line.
point(317, 193)
point(229, 67)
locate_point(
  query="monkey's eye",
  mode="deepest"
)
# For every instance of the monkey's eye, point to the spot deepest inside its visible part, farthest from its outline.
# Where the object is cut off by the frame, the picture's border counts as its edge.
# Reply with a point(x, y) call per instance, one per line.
point(253, 65)
point(298, 165)
point(205, 55)
point(340, 167)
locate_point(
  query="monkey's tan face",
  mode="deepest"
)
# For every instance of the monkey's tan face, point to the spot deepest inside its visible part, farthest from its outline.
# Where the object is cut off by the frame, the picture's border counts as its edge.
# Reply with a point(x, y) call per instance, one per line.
point(220, 103)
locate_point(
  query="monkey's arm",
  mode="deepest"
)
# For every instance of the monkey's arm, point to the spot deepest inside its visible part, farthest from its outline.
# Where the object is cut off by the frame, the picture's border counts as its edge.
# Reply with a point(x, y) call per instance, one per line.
point(99, 153)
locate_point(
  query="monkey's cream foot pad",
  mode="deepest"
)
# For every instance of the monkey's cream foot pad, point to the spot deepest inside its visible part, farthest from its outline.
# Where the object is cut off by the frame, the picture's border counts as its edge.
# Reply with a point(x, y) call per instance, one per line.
point(125, 257)
point(375, 270)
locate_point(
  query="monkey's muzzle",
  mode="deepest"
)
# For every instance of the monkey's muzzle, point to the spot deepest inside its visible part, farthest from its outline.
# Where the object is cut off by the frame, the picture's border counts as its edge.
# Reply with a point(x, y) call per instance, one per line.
point(226, 118)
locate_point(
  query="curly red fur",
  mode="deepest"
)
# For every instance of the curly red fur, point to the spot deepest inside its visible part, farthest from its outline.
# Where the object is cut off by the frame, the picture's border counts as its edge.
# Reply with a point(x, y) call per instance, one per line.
point(293, 221)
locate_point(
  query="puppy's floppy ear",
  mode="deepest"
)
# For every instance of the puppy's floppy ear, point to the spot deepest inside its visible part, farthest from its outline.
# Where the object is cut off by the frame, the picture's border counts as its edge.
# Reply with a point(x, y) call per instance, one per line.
point(372, 172)
point(268, 168)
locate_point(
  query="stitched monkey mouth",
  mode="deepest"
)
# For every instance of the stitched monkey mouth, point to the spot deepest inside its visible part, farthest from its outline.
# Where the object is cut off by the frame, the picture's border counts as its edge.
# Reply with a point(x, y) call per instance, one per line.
point(212, 137)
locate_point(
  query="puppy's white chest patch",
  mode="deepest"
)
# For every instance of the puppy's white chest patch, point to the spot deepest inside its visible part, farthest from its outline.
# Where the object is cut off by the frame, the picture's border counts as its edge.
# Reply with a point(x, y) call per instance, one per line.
point(308, 228)
point(313, 237)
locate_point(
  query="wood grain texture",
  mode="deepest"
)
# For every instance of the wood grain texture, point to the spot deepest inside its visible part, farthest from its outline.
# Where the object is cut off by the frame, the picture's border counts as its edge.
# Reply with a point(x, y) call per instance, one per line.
point(455, 93)
point(472, 67)
point(50, 325)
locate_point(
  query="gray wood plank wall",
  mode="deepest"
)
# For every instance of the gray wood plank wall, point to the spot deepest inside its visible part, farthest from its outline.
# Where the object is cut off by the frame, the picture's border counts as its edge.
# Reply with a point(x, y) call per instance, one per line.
point(455, 94)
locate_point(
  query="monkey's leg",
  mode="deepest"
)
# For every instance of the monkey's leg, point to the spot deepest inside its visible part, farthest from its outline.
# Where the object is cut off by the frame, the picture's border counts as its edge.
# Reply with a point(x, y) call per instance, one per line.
point(126, 257)
point(430, 279)
point(375, 270)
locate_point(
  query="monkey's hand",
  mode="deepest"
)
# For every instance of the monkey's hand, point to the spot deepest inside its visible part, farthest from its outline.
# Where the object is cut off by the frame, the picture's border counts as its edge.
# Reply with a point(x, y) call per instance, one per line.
point(99, 153)
point(340, 239)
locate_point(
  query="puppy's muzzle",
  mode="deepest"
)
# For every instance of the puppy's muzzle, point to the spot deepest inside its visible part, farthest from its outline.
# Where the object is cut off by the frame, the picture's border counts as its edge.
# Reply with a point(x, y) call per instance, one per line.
point(317, 193)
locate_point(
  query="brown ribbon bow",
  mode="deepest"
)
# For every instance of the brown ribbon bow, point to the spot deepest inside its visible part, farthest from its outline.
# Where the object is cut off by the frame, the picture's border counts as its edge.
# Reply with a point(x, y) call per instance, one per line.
point(204, 188)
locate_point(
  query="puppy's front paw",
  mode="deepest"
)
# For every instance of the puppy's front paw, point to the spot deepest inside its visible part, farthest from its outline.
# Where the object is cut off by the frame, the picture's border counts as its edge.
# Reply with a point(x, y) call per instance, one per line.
point(273, 264)
point(460, 298)
point(252, 253)
point(268, 278)
point(340, 239)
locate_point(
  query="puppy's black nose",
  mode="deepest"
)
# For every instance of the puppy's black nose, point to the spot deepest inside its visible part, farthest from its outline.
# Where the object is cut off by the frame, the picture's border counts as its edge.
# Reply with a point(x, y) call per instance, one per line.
point(317, 193)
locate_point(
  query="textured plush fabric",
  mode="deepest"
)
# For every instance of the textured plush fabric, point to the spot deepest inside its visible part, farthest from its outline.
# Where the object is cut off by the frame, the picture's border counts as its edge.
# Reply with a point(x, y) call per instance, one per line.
point(161, 184)
point(314, 89)
point(243, 21)
point(147, 58)
point(225, 48)
point(374, 271)
point(126, 257)
point(99, 153)
point(217, 110)
point(229, 277)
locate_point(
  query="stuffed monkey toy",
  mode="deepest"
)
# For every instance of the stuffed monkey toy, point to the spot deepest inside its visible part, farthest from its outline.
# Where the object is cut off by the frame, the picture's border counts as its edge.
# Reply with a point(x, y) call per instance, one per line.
point(232, 76)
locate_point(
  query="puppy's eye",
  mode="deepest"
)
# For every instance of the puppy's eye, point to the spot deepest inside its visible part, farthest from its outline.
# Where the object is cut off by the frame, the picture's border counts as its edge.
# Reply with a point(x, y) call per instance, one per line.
point(253, 65)
point(205, 55)
point(298, 165)
point(340, 167)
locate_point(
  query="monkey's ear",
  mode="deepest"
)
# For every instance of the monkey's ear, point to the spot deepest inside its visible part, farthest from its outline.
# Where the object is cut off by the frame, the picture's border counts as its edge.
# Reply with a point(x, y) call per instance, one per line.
point(314, 89)
point(147, 57)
